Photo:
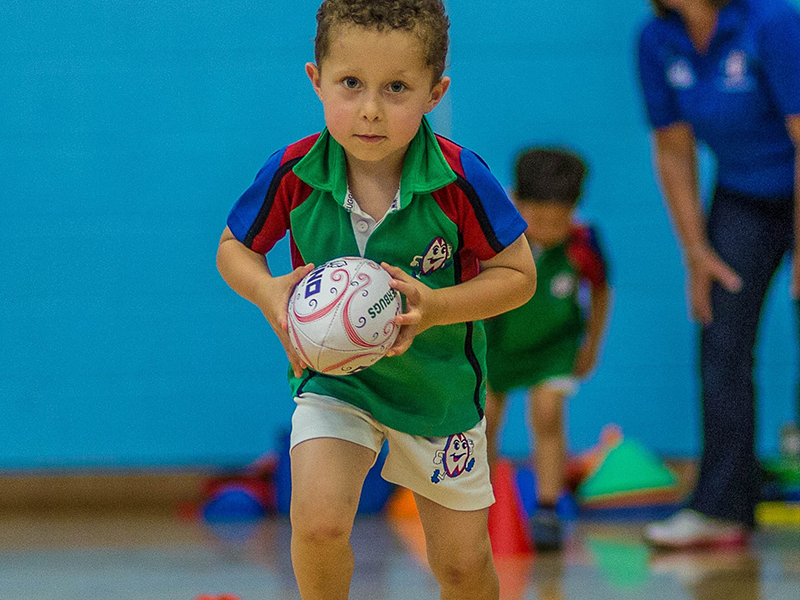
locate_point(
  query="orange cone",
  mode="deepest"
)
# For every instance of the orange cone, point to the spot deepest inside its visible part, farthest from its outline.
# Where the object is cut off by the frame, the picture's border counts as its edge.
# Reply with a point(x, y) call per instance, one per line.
point(402, 505)
point(508, 531)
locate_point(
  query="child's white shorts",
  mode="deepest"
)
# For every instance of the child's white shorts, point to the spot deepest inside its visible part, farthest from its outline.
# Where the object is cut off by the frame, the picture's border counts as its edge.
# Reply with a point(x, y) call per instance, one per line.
point(452, 471)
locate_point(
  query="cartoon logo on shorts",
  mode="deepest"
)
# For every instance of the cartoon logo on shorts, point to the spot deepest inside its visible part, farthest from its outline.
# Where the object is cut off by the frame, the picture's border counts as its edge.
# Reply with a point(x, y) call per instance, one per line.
point(437, 256)
point(454, 459)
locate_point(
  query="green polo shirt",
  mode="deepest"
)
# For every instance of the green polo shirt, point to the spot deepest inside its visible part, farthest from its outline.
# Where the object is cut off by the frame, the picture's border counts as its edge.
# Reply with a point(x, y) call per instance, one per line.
point(452, 214)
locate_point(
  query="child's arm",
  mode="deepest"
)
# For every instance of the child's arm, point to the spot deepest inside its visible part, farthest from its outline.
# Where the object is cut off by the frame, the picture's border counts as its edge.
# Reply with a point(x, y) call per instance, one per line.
point(249, 276)
point(599, 304)
point(506, 281)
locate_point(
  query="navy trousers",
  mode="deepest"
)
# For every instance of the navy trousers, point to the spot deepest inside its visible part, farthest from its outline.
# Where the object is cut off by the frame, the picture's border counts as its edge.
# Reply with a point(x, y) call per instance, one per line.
point(752, 235)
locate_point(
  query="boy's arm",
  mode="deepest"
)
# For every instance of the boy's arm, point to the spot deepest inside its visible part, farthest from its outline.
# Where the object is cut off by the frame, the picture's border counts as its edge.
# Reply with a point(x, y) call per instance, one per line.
point(248, 274)
point(599, 304)
point(506, 281)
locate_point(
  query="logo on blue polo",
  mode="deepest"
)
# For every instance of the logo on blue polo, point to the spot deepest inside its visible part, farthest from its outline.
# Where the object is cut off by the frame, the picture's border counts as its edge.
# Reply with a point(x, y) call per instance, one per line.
point(454, 459)
point(680, 74)
point(438, 255)
point(736, 75)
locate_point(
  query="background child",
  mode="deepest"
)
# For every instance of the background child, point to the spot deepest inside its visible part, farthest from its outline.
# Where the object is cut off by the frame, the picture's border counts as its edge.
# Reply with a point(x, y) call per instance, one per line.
point(378, 183)
point(548, 343)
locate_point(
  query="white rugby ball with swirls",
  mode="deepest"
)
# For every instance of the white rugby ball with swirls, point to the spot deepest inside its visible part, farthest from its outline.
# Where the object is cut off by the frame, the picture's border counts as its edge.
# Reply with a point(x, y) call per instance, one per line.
point(340, 316)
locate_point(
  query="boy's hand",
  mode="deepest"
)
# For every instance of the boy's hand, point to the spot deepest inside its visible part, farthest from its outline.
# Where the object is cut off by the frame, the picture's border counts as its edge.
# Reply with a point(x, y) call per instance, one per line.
point(274, 303)
point(418, 315)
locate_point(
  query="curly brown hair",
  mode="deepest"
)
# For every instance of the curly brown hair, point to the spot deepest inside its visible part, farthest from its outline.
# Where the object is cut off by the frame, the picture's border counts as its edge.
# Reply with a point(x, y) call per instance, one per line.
point(425, 18)
point(661, 10)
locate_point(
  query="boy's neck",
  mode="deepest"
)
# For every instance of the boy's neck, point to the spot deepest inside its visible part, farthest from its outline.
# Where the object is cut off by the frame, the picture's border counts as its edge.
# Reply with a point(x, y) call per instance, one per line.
point(375, 185)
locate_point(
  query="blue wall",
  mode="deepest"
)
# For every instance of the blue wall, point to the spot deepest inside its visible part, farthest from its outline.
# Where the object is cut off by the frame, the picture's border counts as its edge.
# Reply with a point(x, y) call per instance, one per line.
point(128, 129)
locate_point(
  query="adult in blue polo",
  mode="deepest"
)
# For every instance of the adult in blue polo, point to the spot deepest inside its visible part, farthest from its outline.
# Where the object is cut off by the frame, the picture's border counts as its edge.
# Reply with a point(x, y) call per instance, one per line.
point(725, 73)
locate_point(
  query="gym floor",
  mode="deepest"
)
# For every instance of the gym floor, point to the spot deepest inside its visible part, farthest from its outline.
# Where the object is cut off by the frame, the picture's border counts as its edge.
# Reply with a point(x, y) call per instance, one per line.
point(67, 555)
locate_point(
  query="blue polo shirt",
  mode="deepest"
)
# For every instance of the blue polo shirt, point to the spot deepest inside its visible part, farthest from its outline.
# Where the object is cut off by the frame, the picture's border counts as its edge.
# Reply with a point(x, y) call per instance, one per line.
point(737, 95)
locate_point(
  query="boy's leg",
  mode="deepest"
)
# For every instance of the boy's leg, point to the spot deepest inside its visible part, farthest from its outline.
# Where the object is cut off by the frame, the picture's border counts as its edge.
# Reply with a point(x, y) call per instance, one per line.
point(547, 416)
point(459, 551)
point(327, 476)
point(547, 410)
point(494, 412)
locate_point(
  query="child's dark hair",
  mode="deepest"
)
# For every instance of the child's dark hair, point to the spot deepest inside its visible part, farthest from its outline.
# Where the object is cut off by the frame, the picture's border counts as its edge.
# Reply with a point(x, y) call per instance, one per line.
point(426, 18)
point(544, 174)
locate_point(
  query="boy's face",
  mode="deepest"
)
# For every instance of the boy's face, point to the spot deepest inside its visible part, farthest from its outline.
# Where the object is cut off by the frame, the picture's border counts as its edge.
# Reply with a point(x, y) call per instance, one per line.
point(375, 88)
point(549, 221)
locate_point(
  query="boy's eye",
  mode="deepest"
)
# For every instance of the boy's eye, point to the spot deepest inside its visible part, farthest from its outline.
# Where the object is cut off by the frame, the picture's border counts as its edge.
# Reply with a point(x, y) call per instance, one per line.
point(397, 87)
point(350, 82)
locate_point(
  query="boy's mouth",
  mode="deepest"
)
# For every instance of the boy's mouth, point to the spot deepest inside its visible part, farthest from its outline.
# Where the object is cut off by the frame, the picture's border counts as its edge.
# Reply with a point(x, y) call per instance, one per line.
point(370, 139)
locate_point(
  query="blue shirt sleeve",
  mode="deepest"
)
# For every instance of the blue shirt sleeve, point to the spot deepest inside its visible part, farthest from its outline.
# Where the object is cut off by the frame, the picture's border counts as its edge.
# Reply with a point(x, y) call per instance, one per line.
point(780, 54)
point(659, 98)
point(249, 213)
point(501, 222)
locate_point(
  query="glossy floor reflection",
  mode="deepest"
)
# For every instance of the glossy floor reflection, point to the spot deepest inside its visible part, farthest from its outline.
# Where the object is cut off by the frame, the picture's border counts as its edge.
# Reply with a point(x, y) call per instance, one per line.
point(158, 557)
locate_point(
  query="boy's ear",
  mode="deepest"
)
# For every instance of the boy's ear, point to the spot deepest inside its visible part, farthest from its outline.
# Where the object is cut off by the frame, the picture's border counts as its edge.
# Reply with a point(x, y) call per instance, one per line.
point(312, 71)
point(437, 93)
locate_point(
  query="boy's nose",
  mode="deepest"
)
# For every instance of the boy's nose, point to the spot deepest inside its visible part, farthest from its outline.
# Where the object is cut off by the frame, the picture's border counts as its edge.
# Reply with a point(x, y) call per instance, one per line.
point(371, 109)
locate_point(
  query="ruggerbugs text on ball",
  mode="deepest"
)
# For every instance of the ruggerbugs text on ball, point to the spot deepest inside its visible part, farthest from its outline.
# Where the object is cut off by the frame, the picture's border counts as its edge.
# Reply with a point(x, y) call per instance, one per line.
point(340, 316)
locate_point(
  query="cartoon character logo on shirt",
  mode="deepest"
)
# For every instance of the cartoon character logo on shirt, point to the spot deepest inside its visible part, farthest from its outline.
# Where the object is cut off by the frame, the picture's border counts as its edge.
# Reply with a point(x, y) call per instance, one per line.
point(680, 74)
point(562, 285)
point(437, 256)
point(454, 459)
point(736, 76)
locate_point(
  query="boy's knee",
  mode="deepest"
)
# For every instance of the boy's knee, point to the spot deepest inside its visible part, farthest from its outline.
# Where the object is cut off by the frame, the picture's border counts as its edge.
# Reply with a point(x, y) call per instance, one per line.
point(320, 524)
point(315, 530)
point(321, 533)
point(457, 569)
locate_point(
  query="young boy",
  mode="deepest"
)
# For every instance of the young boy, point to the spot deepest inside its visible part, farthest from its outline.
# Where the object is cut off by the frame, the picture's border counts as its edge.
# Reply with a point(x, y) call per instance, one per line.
point(378, 183)
point(548, 343)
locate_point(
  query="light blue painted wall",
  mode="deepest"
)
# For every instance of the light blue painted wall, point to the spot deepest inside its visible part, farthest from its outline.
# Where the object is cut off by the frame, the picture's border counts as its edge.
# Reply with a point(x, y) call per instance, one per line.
point(128, 129)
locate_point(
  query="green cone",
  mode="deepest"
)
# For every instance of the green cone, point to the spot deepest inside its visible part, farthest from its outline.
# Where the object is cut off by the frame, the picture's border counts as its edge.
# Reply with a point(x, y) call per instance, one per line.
point(627, 468)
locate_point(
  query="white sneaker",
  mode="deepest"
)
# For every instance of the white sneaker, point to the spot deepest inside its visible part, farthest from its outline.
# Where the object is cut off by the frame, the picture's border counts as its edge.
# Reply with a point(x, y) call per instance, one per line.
point(690, 529)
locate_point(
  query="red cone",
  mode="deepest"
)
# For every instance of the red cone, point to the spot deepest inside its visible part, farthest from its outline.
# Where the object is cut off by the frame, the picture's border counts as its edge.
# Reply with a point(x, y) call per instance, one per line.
point(508, 529)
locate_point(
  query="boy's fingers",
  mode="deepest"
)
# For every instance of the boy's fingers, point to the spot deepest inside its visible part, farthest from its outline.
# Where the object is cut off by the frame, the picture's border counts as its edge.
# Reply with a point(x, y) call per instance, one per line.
point(297, 363)
point(297, 369)
point(410, 318)
point(403, 341)
point(395, 272)
point(300, 272)
point(408, 290)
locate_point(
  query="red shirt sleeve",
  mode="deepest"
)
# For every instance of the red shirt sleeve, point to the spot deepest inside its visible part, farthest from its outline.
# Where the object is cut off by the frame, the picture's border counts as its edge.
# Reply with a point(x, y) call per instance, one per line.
point(584, 251)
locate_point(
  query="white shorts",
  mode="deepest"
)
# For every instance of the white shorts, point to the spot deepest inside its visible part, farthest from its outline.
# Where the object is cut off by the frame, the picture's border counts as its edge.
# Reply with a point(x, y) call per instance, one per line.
point(452, 471)
point(564, 384)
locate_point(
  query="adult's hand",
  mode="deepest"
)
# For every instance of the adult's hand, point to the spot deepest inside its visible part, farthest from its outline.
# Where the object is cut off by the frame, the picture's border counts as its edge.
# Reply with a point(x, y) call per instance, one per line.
point(795, 284)
point(705, 268)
